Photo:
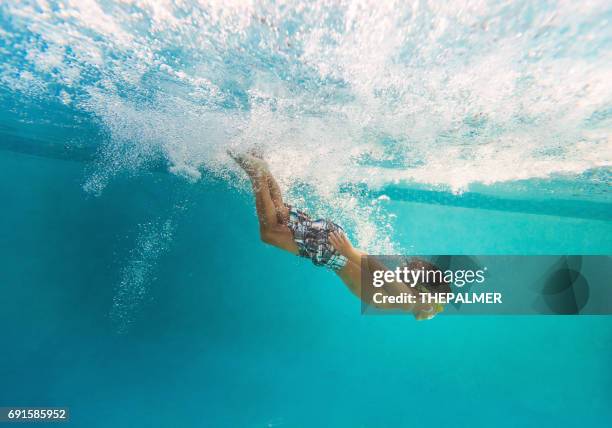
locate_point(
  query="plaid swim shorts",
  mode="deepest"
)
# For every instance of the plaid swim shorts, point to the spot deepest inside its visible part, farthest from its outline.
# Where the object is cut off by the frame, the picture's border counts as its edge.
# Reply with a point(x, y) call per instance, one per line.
point(312, 239)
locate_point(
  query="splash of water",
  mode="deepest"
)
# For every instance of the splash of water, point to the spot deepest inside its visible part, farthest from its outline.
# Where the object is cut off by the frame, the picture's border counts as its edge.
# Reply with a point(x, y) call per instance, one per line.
point(336, 92)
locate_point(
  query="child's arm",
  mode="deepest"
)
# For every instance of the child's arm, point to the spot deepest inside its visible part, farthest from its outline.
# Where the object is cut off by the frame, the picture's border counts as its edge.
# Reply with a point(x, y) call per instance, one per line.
point(341, 243)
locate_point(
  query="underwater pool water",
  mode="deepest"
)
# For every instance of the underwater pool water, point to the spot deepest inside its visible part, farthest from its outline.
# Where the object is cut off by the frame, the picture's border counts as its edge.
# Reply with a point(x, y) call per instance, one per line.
point(135, 290)
point(106, 314)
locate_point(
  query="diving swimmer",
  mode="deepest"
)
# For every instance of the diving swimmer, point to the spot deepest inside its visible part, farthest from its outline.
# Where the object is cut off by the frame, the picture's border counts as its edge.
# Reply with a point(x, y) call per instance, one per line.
point(323, 241)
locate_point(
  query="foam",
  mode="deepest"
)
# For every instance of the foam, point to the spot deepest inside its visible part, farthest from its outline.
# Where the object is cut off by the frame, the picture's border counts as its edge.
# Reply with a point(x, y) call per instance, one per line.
point(350, 92)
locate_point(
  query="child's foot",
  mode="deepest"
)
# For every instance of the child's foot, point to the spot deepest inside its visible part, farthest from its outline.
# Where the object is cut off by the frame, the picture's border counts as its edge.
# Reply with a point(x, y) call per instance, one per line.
point(251, 164)
point(257, 151)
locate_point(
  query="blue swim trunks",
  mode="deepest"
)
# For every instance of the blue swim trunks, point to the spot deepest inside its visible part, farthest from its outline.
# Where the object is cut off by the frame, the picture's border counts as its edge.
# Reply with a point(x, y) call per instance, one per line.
point(312, 239)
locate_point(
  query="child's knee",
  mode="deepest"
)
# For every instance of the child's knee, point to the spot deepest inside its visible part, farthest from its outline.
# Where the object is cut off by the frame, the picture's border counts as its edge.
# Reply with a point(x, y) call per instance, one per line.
point(266, 236)
point(272, 234)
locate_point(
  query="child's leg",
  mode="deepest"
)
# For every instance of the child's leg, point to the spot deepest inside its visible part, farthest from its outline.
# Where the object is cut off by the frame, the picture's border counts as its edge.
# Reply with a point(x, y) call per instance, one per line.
point(277, 197)
point(266, 209)
point(271, 230)
point(275, 192)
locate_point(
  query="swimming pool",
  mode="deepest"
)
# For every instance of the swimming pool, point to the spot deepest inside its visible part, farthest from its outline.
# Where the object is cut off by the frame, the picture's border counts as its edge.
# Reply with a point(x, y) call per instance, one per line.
point(135, 288)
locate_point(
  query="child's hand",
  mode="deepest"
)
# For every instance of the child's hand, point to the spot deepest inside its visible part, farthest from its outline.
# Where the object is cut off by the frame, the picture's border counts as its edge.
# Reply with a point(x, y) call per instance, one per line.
point(341, 243)
point(426, 311)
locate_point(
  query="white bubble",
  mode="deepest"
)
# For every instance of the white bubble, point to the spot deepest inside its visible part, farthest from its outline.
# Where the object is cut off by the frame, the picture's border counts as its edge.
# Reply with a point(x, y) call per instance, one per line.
point(338, 94)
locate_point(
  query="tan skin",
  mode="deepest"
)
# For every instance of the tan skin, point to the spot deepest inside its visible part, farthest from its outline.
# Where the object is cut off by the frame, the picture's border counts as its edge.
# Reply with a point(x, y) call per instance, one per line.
point(272, 215)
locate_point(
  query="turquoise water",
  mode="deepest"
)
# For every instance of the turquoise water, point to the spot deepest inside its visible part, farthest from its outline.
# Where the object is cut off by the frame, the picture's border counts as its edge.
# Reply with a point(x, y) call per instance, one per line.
point(135, 289)
point(233, 333)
